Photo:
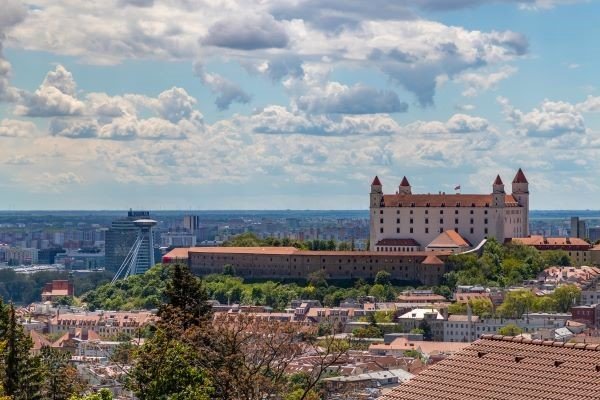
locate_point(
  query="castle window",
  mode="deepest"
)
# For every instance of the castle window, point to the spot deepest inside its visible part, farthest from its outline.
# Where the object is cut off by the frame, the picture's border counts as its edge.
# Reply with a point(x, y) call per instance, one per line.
point(426, 220)
point(411, 230)
point(456, 220)
point(397, 211)
point(472, 204)
point(411, 220)
point(380, 211)
point(381, 220)
point(443, 204)
point(411, 211)
point(380, 230)
point(485, 221)
point(456, 230)
point(471, 212)
point(485, 231)
point(471, 221)
point(397, 220)
point(487, 204)
point(441, 230)
point(471, 230)
point(485, 212)
point(397, 230)
point(441, 220)
point(426, 230)
point(426, 212)
point(427, 205)
point(458, 204)
point(456, 212)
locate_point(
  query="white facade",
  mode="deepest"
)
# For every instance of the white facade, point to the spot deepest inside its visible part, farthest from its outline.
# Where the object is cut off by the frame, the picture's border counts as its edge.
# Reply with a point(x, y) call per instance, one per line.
point(423, 217)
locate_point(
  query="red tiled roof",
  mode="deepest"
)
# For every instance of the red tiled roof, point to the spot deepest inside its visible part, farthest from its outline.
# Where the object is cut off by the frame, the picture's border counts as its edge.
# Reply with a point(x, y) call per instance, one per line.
point(520, 177)
point(293, 251)
point(500, 367)
point(398, 242)
point(449, 238)
point(552, 243)
point(404, 182)
point(444, 200)
point(432, 260)
point(376, 181)
point(498, 181)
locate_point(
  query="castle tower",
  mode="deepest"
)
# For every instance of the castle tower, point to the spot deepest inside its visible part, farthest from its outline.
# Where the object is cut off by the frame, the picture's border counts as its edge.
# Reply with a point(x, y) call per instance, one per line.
point(376, 197)
point(520, 191)
point(498, 201)
point(404, 187)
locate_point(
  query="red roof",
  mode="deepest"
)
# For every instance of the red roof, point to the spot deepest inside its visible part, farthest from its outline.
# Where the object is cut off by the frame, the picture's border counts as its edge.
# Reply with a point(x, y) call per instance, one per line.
point(520, 177)
point(404, 182)
point(376, 181)
point(432, 260)
point(444, 200)
point(498, 181)
point(515, 368)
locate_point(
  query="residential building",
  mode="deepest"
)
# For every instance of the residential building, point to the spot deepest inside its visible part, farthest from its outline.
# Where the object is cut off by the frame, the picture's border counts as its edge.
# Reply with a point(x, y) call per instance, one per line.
point(57, 289)
point(578, 249)
point(423, 217)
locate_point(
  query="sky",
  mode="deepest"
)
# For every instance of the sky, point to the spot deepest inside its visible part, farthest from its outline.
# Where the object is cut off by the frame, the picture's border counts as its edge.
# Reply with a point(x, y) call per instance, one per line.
point(295, 104)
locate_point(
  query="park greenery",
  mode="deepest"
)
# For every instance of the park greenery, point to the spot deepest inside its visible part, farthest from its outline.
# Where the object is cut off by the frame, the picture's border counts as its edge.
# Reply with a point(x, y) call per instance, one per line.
point(249, 239)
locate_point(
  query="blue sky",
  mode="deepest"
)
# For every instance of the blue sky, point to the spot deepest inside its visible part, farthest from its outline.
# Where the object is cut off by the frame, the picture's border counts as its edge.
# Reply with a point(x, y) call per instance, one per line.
point(297, 104)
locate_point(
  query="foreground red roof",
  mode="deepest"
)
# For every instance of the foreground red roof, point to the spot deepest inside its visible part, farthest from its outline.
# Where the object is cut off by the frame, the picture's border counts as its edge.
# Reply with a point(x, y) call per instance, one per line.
point(502, 368)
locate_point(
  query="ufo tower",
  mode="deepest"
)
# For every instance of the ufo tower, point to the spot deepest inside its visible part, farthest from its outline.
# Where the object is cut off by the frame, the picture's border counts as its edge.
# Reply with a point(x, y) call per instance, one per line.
point(140, 257)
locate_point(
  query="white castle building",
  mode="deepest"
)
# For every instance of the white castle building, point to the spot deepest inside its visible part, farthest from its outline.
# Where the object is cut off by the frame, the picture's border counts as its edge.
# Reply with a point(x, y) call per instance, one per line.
point(412, 222)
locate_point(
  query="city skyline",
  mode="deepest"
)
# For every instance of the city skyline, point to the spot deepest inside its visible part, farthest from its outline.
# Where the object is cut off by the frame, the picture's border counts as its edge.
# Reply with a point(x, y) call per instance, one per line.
point(258, 105)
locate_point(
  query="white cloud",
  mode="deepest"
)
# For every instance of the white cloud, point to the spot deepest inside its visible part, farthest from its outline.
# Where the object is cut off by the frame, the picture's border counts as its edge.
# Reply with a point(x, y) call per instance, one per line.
point(478, 82)
point(458, 123)
point(16, 128)
point(227, 92)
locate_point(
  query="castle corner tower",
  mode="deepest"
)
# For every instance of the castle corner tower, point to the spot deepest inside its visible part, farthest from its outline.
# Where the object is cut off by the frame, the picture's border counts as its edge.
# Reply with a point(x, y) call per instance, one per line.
point(520, 191)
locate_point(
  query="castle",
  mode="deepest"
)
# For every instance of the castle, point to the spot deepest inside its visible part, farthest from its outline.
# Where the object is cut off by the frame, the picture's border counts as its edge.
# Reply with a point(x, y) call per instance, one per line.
point(414, 222)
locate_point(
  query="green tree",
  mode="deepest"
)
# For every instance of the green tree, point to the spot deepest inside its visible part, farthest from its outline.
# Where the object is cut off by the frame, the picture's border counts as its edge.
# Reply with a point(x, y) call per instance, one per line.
point(229, 269)
point(426, 329)
point(383, 278)
point(103, 394)
point(516, 303)
point(565, 297)
point(61, 380)
point(510, 330)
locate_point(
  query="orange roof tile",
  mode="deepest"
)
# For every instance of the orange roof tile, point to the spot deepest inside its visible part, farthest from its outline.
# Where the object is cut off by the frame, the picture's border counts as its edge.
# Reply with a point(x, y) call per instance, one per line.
point(498, 180)
point(404, 182)
point(516, 368)
point(376, 181)
point(520, 177)
point(444, 200)
point(449, 238)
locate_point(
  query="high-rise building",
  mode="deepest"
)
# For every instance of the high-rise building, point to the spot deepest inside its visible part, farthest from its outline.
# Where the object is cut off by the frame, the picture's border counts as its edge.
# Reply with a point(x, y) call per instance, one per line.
point(120, 237)
point(578, 228)
point(191, 223)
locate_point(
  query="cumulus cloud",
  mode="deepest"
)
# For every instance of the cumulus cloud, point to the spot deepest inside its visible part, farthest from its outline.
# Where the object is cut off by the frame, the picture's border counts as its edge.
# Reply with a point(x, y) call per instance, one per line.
point(18, 160)
point(13, 12)
point(250, 32)
point(551, 119)
point(336, 98)
point(54, 97)
point(458, 123)
point(227, 91)
point(16, 128)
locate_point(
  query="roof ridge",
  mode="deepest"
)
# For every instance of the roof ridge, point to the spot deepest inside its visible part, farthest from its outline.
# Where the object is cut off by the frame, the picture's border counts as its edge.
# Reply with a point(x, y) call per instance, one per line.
point(540, 342)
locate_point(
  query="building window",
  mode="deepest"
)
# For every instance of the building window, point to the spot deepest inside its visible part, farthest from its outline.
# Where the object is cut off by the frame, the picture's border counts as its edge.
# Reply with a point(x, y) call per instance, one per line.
point(485, 231)
point(411, 220)
point(411, 211)
point(485, 212)
point(441, 230)
point(441, 220)
point(456, 220)
point(426, 212)
point(471, 221)
point(426, 220)
point(397, 211)
point(411, 230)
point(426, 230)
point(471, 230)
point(441, 211)
point(485, 221)
point(456, 212)
point(397, 230)
point(381, 220)
point(397, 220)
point(456, 230)
point(471, 212)
point(380, 230)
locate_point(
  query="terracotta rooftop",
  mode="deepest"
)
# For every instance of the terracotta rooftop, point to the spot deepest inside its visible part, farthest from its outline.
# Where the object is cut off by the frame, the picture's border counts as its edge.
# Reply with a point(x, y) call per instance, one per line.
point(183, 252)
point(520, 177)
point(398, 242)
point(502, 367)
point(540, 242)
point(444, 200)
point(404, 182)
point(498, 180)
point(376, 181)
point(449, 238)
point(432, 260)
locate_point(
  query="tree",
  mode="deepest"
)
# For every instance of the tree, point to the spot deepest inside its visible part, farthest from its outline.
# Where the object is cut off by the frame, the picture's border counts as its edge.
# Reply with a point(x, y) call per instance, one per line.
point(565, 297)
point(228, 269)
point(426, 329)
point(103, 394)
point(22, 375)
point(383, 278)
point(510, 330)
point(60, 379)
point(516, 303)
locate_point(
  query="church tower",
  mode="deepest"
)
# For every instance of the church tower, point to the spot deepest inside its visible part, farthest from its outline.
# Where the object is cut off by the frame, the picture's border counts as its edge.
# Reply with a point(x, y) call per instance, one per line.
point(376, 197)
point(520, 191)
